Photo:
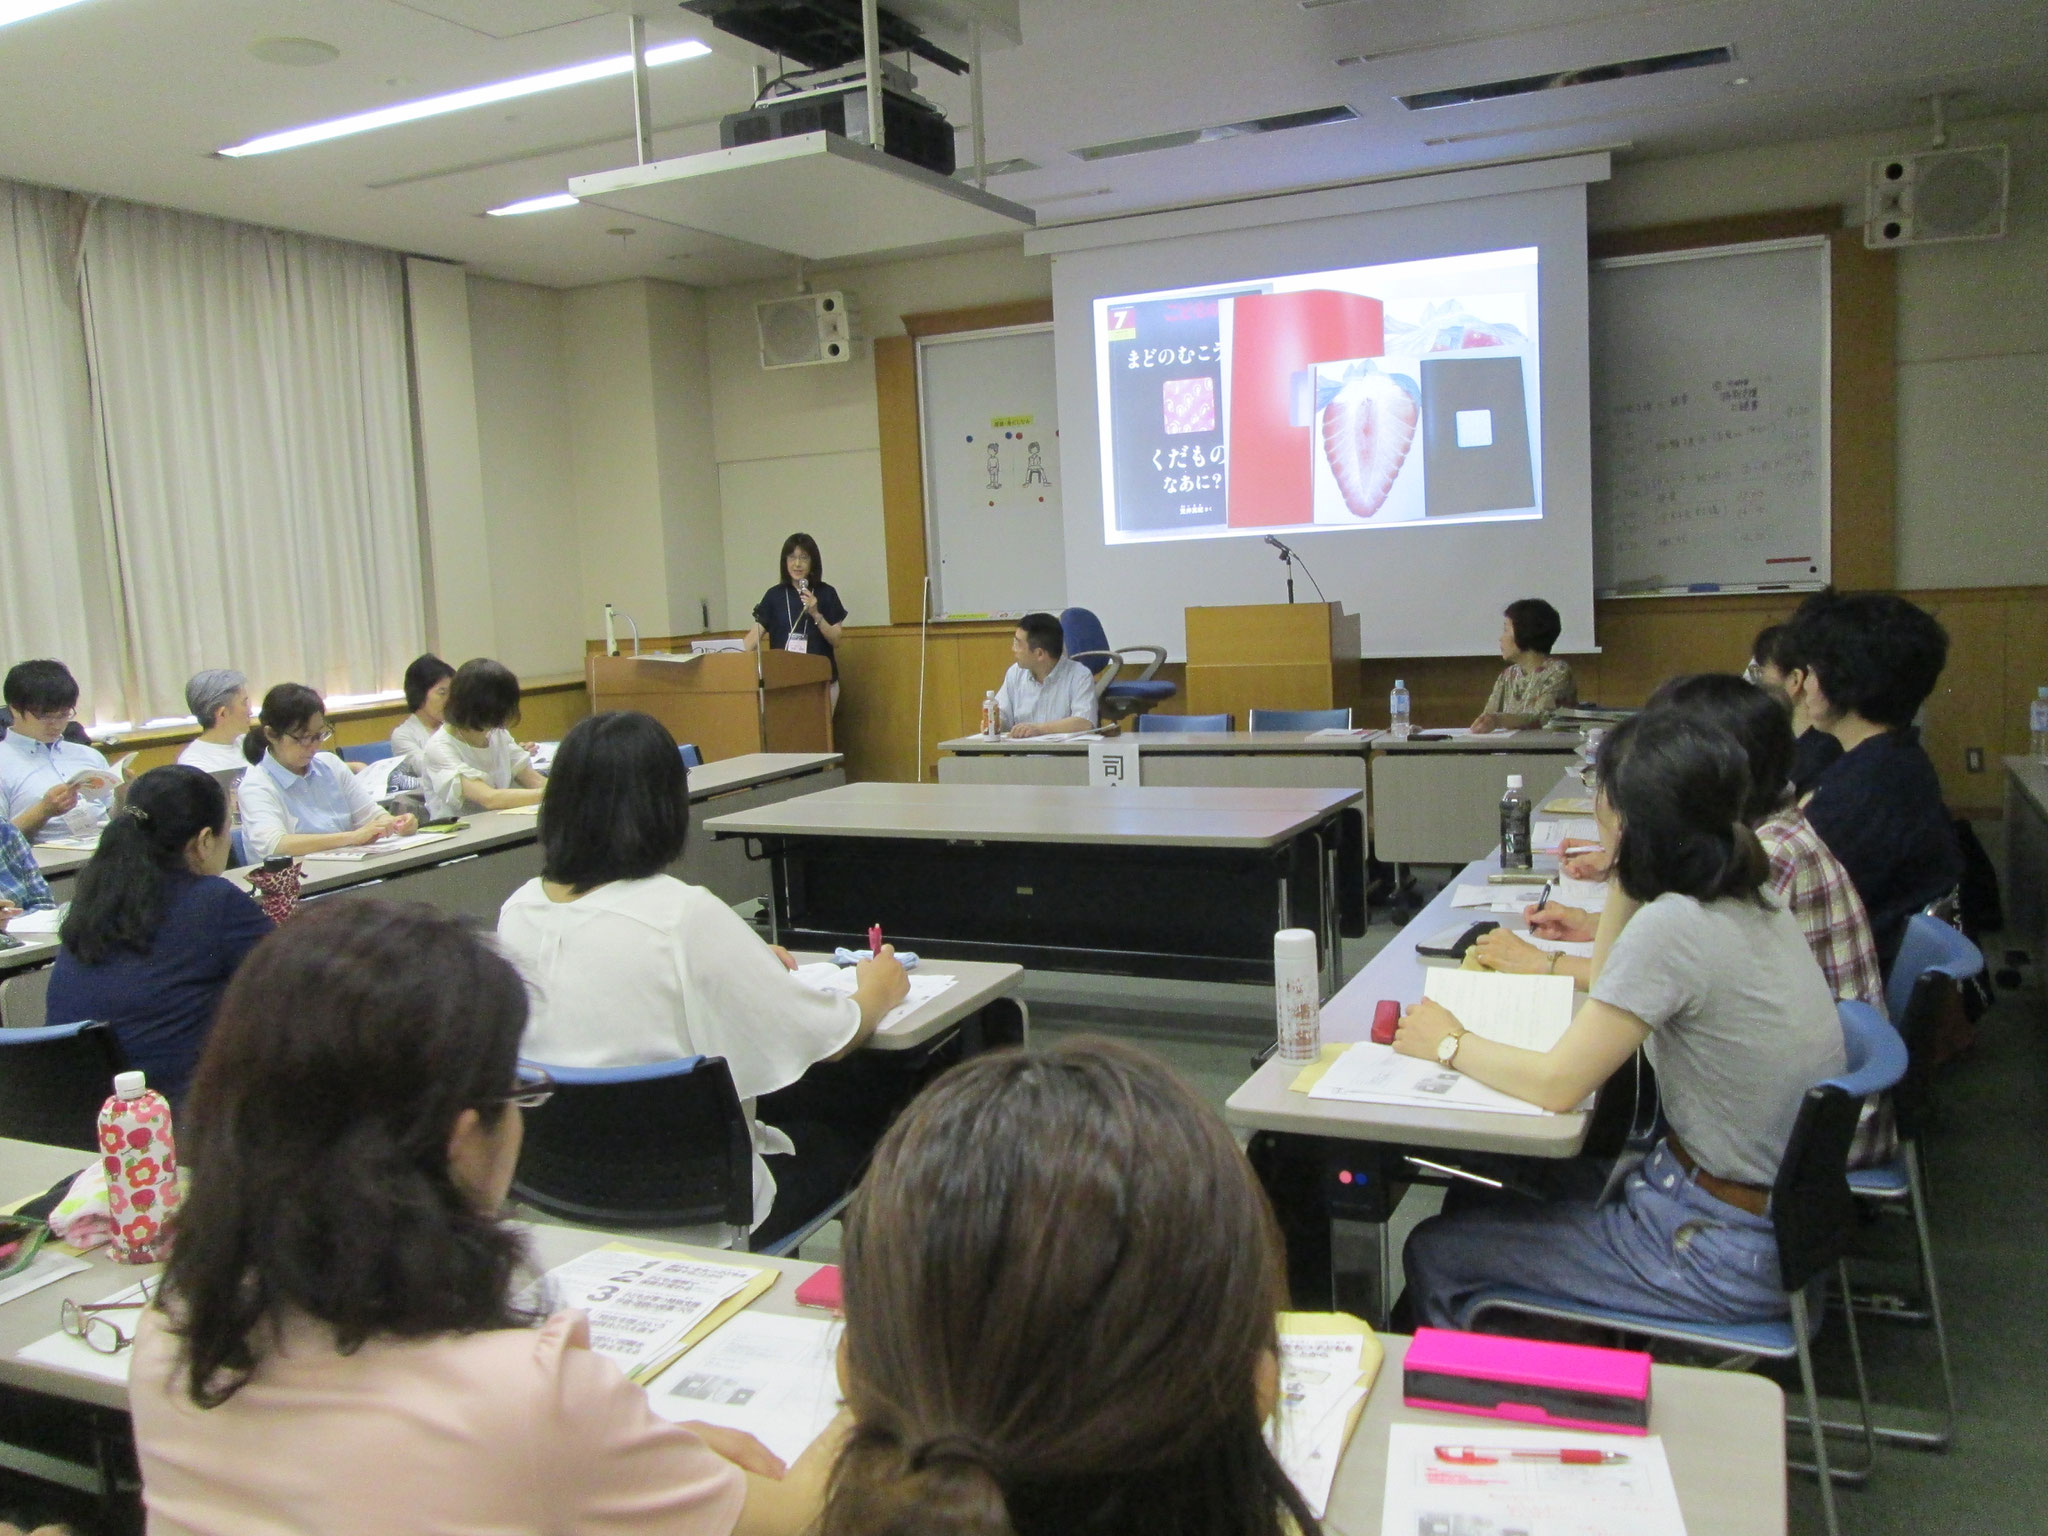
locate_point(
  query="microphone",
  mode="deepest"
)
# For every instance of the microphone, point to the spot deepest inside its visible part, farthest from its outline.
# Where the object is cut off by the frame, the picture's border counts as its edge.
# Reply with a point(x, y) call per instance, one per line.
point(1285, 552)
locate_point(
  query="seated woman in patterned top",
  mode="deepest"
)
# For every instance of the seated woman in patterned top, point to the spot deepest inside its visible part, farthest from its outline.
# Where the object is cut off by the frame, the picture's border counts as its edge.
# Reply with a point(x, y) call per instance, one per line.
point(1535, 683)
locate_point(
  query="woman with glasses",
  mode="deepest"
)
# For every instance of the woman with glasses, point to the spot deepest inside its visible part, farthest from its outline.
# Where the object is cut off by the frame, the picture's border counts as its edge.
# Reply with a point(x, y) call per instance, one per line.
point(154, 934)
point(296, 798)
point(342, 1343)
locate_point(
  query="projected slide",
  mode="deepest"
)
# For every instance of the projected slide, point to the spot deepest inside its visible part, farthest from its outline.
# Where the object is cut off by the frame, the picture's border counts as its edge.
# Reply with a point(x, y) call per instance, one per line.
point(1371, 397)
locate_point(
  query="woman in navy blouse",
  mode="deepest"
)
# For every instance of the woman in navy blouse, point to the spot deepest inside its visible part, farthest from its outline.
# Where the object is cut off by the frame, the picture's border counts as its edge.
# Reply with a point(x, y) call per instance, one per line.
point(154, 932)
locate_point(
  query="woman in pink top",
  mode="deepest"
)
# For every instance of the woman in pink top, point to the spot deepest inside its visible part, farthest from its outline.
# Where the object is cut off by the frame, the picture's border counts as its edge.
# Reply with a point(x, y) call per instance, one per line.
point(339, 1350)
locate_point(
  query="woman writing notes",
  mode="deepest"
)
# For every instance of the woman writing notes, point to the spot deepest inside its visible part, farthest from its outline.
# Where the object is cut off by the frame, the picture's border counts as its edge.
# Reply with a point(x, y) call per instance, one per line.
point(1698, 962)
point(801, 612)
point(1535, 683)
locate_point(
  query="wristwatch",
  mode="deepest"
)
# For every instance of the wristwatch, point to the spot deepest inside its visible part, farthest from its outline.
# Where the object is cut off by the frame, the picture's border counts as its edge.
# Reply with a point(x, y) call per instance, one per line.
point(1447, 1048)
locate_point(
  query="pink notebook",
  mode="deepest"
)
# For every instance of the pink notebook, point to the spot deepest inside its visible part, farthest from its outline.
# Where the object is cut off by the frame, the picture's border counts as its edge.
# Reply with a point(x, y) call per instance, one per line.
point(1573, 1386)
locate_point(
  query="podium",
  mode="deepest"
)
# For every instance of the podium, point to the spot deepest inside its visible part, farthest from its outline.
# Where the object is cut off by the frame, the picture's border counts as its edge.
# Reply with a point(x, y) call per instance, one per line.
point(1272, 656)
point(724, 702)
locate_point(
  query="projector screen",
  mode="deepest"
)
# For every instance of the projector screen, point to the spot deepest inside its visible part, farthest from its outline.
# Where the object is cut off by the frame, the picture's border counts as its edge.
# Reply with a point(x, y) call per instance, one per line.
point(1391, 380)
point(1363, 398)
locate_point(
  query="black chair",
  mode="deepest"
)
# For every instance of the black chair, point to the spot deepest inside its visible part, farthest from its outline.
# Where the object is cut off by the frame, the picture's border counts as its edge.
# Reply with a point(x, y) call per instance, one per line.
point(664, 1145)
point(53, 1081)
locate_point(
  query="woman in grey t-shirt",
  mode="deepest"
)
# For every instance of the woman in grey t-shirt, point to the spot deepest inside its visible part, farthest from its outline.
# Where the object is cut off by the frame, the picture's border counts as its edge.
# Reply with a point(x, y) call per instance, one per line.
point(1696, 961)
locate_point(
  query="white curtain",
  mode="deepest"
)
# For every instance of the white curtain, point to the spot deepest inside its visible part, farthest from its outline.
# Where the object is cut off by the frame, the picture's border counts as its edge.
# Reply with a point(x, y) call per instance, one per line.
point(55, 599)
point(255, 419)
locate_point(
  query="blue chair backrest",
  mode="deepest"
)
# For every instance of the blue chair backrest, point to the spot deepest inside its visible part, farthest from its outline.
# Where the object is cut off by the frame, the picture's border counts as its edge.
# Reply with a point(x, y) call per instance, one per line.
point(1081, 631)
point(1929, 945)
point(692, 758)
point(1203, 723)
point(367, 752)
point(1812, 1211)
point(53, 1080)
point(1301, 719)
point(664, 1144)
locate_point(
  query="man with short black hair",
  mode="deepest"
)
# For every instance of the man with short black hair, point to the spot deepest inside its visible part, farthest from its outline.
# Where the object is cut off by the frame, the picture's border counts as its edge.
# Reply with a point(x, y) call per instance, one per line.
point(39, 767)
point(1046, 692)
point(1870, 660)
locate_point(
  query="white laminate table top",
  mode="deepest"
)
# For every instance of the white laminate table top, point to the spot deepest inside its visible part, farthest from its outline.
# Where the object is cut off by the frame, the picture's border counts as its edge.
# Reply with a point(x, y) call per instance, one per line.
point(1035, 813)
point(750, 769)
point(976, 983)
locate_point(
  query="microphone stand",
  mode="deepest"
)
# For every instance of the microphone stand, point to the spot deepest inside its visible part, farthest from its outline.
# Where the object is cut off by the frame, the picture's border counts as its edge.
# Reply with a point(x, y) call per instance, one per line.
point(1287, 559)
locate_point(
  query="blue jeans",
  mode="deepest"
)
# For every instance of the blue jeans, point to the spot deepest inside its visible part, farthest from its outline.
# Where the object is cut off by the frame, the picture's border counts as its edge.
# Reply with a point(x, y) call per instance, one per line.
point(1663, 1246)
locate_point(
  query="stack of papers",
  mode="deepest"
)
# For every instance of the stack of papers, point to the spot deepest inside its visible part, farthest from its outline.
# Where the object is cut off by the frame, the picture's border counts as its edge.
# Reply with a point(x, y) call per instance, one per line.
point(377, 850)
point(1342, 730)
point(44, 921)
point(1070, 736)
point(1327, 1364)
point(1513, 899)
point(774, 1377)
point(1463, 1477)
point(1548, 835)
point(84, 844)
point(647, 1308)
point(924, 986)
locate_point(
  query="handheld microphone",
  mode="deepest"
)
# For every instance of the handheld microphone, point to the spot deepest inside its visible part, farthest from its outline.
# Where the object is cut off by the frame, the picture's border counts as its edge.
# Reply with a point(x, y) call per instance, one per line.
point(1278, 545)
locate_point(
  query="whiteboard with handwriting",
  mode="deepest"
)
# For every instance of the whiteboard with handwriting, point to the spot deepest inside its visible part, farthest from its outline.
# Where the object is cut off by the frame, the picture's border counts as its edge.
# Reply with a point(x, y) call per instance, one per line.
point(1710, 419)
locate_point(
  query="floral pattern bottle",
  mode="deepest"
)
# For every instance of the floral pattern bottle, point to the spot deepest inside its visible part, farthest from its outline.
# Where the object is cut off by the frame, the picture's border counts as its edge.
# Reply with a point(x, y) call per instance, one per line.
point(142, 1169)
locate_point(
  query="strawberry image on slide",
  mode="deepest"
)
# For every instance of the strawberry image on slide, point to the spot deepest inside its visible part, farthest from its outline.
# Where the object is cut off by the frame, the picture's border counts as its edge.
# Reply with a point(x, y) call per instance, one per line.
point(1367, 428)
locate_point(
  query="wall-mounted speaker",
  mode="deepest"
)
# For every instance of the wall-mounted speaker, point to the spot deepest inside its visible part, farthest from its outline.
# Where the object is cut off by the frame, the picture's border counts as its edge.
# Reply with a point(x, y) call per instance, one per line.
point(806, 330)
point(1937, 195)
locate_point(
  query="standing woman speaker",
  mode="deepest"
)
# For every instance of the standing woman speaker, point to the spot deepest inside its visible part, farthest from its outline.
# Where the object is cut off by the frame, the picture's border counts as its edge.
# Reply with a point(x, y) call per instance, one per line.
point(801, 612)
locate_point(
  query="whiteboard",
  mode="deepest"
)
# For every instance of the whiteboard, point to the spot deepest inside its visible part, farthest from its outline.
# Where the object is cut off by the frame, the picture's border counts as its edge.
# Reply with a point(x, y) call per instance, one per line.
point(990, 420)
point(1710, 419)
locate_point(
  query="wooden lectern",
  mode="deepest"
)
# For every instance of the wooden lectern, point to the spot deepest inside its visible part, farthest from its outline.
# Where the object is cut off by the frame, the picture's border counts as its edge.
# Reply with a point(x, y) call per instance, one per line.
point(1271, 656)
point(724, 703)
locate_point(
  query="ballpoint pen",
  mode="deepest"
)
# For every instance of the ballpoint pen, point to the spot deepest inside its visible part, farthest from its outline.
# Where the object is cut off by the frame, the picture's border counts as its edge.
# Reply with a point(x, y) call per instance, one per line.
point(1489, 1456)
point(1543, 896)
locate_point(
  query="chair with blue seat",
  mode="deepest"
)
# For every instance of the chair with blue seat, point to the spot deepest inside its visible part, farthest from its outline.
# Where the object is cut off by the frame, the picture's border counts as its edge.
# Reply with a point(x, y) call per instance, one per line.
point(366, 752)
point(662, 1145)
point(1301, 720)
point(692, 758)
point(1935, 961)
point(1813, 1216)
point(53, 1080)
point(1200, 723)
point(1088, 643)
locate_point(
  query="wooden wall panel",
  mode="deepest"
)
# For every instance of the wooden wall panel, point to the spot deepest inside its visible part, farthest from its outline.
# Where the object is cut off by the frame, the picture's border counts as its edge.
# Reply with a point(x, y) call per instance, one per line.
point(902, 476)
point(1863, 414)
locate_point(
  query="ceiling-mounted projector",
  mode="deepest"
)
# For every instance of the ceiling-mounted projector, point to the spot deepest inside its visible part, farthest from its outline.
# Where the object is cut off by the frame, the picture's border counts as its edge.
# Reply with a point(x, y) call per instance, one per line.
point(818, 34)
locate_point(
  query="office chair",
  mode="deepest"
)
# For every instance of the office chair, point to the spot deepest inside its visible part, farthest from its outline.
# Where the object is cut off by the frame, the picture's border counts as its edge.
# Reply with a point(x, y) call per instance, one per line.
point(1813, 1215)
point(53, 1080)
point(1300, 720)
point(23, 997)
point(366, 752)
point(692, 758)
point(1203, 723)
point(1088, 644)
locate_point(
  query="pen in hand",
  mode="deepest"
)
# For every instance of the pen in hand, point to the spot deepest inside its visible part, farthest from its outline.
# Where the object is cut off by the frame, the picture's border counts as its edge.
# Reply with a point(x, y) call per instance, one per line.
point(875, 939)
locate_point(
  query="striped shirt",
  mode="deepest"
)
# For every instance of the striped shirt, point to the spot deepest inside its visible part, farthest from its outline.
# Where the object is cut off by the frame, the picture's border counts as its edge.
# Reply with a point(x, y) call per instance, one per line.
point(21, 878)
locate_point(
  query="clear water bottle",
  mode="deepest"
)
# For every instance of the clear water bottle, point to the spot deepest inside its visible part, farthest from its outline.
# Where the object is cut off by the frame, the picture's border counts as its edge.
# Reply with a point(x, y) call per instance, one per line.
point(1397, 710)
point(1516, 851)
point(2037, 721)
point(988, 713)
point(141, 1159)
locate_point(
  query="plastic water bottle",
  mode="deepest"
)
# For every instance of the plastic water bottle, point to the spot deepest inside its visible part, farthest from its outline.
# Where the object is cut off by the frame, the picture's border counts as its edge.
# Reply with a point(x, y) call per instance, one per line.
point(1397, 710)
point(141, 1159)
point(1297, 1008)
point(1515, 806)
point(988, 713)
point(2037, 720)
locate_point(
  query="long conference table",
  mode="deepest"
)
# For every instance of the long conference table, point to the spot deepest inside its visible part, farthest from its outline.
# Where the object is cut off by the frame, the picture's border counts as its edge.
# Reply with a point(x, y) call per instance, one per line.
point(1722, 1431)
point(1142, 881)
point(1430, 798)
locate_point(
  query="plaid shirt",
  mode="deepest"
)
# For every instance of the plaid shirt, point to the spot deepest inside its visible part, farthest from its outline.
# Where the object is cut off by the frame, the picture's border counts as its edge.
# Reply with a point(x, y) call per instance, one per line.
point(1817, 890)
point(21, 878)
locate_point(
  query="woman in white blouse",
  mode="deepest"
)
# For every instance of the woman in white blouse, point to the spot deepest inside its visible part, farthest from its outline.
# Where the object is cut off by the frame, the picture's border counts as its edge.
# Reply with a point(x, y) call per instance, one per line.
point(426, 695)
point(472, 760)
point(219, 701)
point(631, 966)
point(296, 798)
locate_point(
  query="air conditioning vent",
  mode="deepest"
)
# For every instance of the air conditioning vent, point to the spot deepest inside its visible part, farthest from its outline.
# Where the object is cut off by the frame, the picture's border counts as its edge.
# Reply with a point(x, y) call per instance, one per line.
point(1592, 74)
point(804, 331)
point(1316, 117)
point(1937, 195)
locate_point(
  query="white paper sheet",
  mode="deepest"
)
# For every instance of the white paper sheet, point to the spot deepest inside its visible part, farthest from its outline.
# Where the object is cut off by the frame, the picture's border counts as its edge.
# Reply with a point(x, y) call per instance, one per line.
point(774, 1377)
point(1548, 833)
point(1472, 1495)
point(924, 986)
point(68, 1354)
point(51, 1265)
point(43, 920)
point(640, 1303)
point(1532, 1012)
point(378, 850)
point(1376, 1074)
point(375, 778)
point(1312, 1423)
point(1586, 895)
point(1511, 899)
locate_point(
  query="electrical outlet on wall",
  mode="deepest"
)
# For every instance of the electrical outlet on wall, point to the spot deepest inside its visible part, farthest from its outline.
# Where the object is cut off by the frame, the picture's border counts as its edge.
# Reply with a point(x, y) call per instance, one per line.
point(1973, 759)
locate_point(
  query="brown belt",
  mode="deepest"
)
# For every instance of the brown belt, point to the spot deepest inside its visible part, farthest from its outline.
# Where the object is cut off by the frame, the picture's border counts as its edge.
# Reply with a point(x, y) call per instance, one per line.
point(1752, 1198)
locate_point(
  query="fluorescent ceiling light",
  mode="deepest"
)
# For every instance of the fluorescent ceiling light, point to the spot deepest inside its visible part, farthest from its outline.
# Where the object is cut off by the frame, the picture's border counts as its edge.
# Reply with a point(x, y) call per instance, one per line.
point(535, 205)
point(461, 101)
point(12, 11)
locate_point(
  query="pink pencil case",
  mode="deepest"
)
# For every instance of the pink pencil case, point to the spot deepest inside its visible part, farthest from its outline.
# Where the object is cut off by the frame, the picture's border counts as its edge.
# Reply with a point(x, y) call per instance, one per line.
point(1572, 1386)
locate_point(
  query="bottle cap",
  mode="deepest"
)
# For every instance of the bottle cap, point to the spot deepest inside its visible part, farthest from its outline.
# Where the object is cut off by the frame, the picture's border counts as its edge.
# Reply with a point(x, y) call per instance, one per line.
point(1398, 683)
point(1514, 781)
point(2044, 691)
point(129, 1085)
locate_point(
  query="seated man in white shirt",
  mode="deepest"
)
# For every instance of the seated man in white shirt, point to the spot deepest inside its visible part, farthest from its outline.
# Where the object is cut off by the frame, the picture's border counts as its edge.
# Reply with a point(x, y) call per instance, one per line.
point(1047, 693)
point(39, 768)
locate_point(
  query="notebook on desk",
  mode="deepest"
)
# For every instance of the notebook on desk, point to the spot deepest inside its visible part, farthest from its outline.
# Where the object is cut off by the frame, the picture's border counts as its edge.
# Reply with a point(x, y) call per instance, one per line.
point(1532, 1012)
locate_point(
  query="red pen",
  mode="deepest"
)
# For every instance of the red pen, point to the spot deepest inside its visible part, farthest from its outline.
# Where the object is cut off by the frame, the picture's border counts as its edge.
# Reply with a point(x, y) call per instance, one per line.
point(875, 939)
point(1570, 1456)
